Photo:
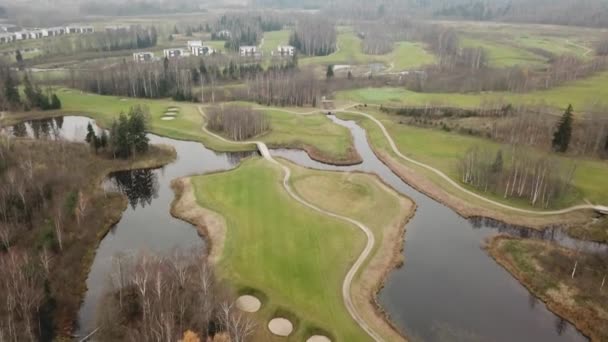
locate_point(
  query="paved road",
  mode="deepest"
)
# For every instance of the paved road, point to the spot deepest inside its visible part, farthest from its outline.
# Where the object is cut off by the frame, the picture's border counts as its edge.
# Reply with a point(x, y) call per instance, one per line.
point(346, 284)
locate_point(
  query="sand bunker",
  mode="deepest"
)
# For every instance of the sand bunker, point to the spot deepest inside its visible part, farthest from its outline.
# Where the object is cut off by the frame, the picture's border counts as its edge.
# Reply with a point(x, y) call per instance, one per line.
point(280, 326)
point(170, 114)
point(248, 303)
point(167, 118)
point(123, 100)
point(172, 109)
point(318, 338)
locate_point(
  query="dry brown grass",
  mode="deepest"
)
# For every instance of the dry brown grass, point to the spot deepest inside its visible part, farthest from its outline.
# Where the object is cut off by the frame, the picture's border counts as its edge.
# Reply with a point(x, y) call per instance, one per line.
point(579, 300)
point(210, 225)
point(71, 169)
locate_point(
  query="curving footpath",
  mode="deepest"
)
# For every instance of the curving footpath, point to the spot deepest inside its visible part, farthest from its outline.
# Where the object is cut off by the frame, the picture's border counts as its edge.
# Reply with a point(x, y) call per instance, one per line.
point(346, 284)
point(599, 208)
point(461, 188)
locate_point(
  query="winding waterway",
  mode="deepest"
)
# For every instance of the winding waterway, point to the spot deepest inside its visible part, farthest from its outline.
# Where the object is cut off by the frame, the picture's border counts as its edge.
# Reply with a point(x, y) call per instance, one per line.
point(449, 289)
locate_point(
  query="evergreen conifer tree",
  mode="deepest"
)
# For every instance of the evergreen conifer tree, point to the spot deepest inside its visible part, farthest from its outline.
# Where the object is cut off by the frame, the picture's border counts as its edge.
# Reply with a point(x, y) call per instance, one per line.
point(561, 137)
point(330, 71)
point(10, 90)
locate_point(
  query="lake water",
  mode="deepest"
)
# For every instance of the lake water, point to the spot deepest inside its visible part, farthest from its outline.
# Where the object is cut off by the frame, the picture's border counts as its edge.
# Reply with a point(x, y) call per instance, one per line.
point(448, 290)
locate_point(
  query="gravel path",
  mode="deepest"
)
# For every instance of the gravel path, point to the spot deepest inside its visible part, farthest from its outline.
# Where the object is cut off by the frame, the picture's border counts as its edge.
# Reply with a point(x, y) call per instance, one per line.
point(458, 186)
point(346, 284)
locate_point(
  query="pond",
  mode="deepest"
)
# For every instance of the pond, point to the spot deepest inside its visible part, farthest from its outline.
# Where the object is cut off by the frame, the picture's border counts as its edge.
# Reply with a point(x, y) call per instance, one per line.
point(147, 223)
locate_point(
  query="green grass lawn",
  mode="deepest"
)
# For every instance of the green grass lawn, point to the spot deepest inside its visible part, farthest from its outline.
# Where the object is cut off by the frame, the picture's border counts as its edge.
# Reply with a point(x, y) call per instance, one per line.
point(405, 55)
point(333, 142)
point(186, 126)
point(504, 55)
point(273, 39)
point(443, 150)
point(295, 256)
point(582, 94)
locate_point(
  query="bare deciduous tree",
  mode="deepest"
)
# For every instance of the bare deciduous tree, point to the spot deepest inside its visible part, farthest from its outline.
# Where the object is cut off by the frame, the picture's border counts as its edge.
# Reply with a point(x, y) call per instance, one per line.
point(237, 122)
point(157, 298)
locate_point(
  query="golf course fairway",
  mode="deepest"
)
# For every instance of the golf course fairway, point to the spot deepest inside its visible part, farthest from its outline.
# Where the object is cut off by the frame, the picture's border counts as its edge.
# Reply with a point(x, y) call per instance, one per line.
point(295, 258)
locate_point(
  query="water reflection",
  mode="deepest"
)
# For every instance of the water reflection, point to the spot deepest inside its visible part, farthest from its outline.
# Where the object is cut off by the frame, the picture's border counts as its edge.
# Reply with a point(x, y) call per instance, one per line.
point(140, 186)
point(447, 277)
point(235, 157)
point(72, 128)
point(555, 234)
point(561, 325)
point(20, 130)
point(147, 223)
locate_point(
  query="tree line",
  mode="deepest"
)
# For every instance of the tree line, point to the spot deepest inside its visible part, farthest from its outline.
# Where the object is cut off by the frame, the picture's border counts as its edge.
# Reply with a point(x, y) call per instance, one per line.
point(175, 78)
point(285, 87)
point(534, 125)
point(537, 177)
point(585, 135)
point(540, 179)
point(134, 37)
point(34, 97)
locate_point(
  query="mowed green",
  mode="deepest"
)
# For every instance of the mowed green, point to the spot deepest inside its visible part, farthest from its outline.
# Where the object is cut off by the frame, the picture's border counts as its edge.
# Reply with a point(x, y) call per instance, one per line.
point(406, 55)
point(333, 142)
point(582, 94)
point(501, 54)
point(443, 151)
point(294, 255)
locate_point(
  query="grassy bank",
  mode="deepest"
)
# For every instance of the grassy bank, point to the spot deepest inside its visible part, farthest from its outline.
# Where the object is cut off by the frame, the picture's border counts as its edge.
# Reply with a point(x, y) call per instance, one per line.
point(443, 150)
point(596, 230)
point(295, 256)
point(581, 94)
point(321, 138)
point(546, 270)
